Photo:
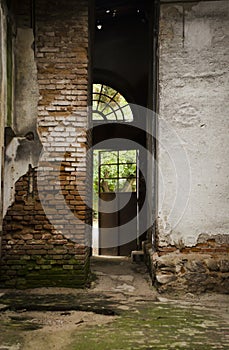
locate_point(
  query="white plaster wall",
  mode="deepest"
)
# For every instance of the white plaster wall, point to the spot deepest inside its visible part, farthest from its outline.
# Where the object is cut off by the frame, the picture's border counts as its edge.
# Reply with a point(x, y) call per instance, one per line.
point(194, 100)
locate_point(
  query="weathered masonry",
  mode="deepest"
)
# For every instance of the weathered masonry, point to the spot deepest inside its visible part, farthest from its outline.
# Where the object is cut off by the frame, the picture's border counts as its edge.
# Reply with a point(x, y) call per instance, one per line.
point(59, 57)
point(46, 81)
point(194, 100)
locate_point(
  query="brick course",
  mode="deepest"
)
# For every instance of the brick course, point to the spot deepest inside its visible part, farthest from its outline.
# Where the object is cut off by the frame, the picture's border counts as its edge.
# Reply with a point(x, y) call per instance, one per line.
point(202, 268)
point(31, 245)
point(37, 250)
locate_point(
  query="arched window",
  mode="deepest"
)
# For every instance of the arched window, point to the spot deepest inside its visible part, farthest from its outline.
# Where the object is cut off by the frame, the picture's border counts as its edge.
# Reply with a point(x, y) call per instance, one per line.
point(109, 105)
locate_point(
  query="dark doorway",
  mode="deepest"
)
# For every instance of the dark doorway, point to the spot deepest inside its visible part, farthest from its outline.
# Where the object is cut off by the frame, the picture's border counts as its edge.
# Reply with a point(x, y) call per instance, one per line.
point(121, 56)
point(118, 192)
point(122, 64)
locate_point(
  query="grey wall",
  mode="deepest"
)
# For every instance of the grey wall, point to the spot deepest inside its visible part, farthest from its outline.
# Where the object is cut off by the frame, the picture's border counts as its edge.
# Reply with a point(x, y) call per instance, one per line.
point(194, 99)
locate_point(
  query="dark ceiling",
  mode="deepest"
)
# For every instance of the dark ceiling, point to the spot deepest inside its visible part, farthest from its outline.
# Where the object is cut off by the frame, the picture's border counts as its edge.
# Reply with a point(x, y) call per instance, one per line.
point(106, 10)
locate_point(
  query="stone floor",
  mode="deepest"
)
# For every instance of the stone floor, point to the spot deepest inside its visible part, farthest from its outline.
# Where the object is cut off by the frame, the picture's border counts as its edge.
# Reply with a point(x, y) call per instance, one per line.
point(121, 310)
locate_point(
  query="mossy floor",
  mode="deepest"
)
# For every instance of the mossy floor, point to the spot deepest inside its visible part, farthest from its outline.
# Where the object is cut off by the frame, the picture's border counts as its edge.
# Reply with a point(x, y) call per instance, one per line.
point(121, 311)
point(146, 325)
point(157, 326)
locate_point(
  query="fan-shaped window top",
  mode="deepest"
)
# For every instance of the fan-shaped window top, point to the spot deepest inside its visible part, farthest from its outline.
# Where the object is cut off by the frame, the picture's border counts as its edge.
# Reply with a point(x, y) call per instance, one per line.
point(110, 105)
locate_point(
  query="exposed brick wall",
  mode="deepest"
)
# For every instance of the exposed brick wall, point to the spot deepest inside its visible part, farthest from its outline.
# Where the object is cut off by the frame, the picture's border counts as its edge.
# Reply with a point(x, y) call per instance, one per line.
point(62, 59)
point(47, 246)
point(192, 272)
point(202, 268)
point(211, 246)
point(34, 254)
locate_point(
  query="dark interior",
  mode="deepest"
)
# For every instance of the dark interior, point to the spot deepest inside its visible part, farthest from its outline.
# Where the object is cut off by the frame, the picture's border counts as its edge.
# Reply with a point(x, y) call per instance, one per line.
point(121, 60)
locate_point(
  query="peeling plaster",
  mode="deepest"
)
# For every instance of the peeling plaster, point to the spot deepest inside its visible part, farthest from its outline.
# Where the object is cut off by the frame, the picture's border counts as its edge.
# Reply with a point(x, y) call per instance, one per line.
point(24, 149)
point(20, 154)
point(169, 237)
point(219, 238)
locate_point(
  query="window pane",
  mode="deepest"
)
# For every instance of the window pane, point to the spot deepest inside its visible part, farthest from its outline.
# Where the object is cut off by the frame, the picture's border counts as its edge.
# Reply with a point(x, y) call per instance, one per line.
point(127, 170)
point(108, 185)
point(109, 157)
point(128, 113)
point(127, 185)
point(127, 156)
point(110, 103)
point(108, 171)
point(97, 116)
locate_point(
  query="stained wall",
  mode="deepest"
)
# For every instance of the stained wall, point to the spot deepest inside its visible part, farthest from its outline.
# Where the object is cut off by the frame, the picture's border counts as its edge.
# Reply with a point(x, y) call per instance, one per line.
point(45, 236)
point(193, 137)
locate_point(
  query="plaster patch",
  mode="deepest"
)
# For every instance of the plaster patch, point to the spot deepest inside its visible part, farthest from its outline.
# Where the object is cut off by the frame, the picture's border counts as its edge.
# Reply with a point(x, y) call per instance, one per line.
point(187, 115)
point(197, 34)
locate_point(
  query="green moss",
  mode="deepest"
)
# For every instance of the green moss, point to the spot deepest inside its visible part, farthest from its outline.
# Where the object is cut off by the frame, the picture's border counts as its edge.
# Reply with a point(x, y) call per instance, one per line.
point(43, 272)
point(147, 325)
point(154, 326)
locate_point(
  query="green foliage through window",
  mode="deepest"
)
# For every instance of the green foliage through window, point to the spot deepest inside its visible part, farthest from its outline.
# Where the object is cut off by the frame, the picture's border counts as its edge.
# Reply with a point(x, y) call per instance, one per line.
point(109, 104)
point(115, 171)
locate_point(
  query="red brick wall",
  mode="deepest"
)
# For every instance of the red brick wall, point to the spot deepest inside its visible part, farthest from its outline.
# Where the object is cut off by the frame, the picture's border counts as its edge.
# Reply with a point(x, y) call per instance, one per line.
point(62, 60)
point(37, 250)
point(33, 252)
point(202, 268)
point(211, 246)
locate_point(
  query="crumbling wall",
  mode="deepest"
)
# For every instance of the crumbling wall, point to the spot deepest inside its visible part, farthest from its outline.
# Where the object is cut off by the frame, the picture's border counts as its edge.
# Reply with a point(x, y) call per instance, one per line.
point(44, 230)
point(3, 104)
point(34, 253)
point(203, 268)
point(23, 145)
point(193, 166)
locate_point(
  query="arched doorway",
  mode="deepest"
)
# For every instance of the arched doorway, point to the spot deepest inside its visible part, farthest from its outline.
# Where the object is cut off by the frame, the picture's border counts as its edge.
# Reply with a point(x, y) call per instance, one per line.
point(115, 179)
point(121, 68)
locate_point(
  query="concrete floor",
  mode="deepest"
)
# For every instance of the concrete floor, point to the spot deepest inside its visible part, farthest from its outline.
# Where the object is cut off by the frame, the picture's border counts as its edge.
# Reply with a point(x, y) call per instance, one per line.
point(121, 310)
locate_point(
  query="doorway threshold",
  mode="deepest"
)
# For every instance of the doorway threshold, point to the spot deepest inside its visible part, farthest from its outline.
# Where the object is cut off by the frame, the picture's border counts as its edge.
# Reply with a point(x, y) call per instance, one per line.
point(110, 257)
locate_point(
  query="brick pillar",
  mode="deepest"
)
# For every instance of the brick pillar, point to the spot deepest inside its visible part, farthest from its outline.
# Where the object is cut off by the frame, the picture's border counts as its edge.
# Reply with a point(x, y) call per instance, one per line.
point(46, 246)
point(62, 59)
